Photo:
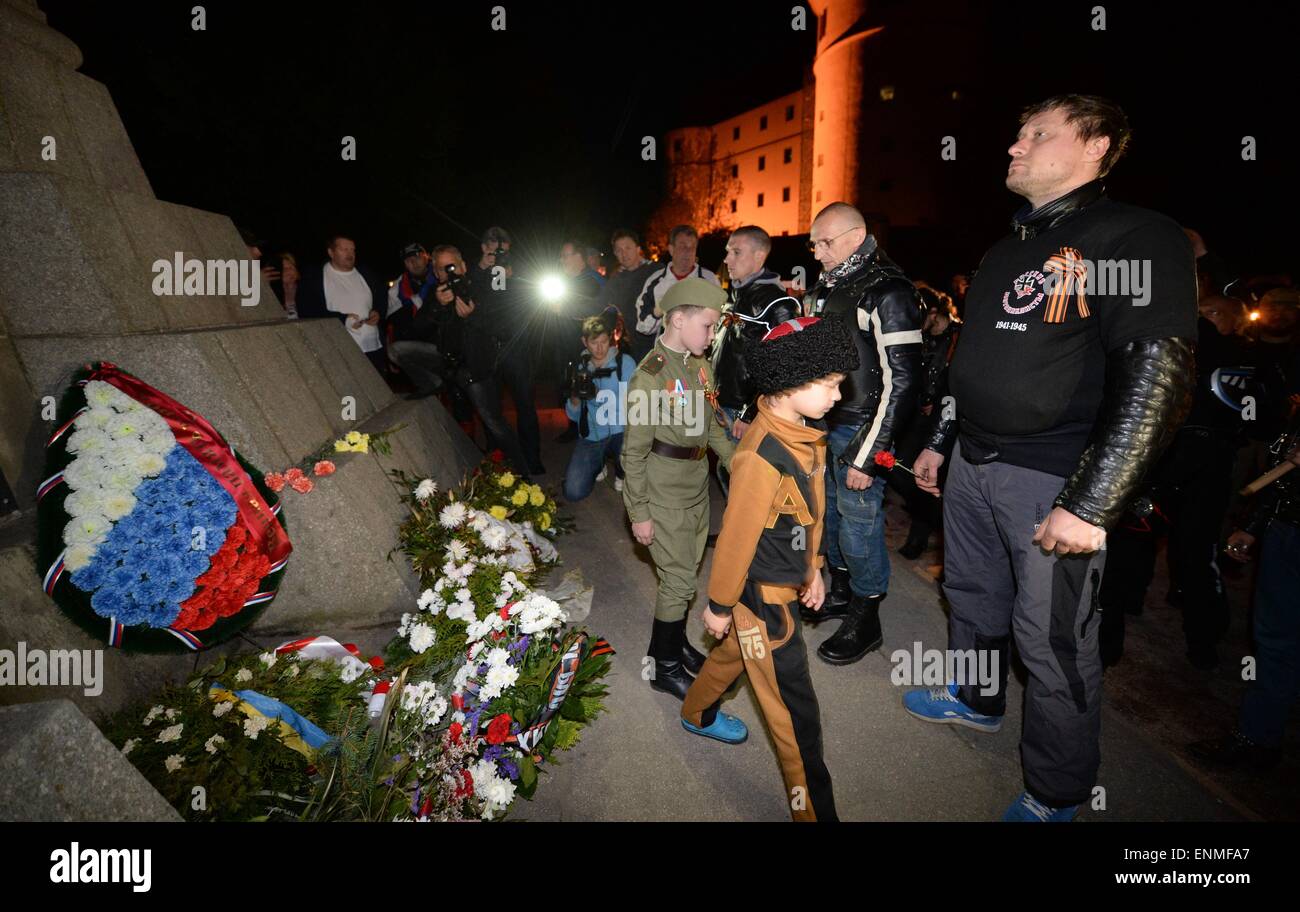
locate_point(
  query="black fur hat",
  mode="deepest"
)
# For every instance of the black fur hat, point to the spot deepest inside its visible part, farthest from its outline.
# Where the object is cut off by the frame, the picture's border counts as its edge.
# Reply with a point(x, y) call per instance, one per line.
point(799, 351)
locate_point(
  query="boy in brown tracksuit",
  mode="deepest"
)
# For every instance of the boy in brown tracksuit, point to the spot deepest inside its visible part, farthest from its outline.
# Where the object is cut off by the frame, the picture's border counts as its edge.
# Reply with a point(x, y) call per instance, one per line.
point(769, 557)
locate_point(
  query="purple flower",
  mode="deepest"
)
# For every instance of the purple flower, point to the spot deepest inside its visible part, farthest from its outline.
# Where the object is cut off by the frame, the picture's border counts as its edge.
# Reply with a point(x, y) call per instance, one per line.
point(510, 768)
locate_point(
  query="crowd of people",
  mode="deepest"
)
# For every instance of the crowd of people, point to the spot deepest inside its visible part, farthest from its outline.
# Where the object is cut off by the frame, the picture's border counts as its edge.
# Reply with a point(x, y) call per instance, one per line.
point(1065, 426)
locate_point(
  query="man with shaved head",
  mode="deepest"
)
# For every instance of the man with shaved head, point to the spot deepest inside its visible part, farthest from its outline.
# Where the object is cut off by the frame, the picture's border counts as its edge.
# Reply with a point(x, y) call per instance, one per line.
point(865, 289)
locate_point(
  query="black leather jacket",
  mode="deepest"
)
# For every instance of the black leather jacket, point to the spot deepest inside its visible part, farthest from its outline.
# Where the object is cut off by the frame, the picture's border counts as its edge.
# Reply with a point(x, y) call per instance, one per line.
point(1148, 395)
point(753, 309)
point(871, 294)
point(936, 352)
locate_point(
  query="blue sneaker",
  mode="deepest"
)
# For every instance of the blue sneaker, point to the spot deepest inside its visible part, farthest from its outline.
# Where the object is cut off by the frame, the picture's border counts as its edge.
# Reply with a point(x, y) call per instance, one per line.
point(1028, 809)
point(940, 704)
point(725, 728)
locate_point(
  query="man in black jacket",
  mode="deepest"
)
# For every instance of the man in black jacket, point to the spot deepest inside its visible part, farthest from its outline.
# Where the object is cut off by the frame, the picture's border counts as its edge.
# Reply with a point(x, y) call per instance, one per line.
point(756, 303)
point(863, 287)
point(416, 322)
point(1074, 370)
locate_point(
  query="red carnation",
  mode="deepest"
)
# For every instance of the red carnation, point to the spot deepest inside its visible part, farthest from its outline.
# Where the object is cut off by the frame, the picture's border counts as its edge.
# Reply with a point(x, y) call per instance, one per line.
point(497, 456)
point(505, 612)
point(885, 458)
point(377, 663)
point(274, 481)
point(302, 485)
point(499, 729)
point(236, 535)
point(324, 467)
point(454, 731)
point(293, 475)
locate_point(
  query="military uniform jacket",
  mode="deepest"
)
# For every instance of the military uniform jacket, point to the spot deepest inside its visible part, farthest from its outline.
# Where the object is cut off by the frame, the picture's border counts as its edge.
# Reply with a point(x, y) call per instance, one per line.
point(668, 401)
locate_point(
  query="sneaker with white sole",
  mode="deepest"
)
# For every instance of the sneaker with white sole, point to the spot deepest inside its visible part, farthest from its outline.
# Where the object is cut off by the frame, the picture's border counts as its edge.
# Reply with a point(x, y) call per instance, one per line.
point(604, 471)
point(940, 704)
point(618, 483)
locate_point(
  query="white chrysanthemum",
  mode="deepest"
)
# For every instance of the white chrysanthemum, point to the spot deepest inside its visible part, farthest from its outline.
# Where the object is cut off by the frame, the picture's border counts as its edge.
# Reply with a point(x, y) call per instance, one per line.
point(77, 557)
point(476, 649)
point(171, 733)
point(464, 595)
point(495, 538)
point(100, 394)
point(350, 671)
point(457, 551)
point(121, 478)
point(124, 427)
point(426, 489)
point(148, 464)
point(96, 418)
point(478, 629)
point(84, 501)
point(508, 579)
point(158, 441)
point(422, 637)
point(129, 745)
point(431, 602)
point(84, 472)
point(452, 515)
point(254, 725)
point(520, 559)
point(497, 657)
point(462, 676)
point(497, 794)
point(268, 659)
point(88, 441)
point(222, 708)
point(117, 504)
point(153, 713)
point(405, 625)
point(461, 611)
point(479, 520)
point(211, 744)
point(173, 763)
point(497, 680)
point(88, 529)
point(243, 675)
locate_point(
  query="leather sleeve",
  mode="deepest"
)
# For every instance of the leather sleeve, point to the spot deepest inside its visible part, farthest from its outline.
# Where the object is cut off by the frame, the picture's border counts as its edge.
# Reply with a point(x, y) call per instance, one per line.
point(1149, 387)
point(942, 433)
point(895, 325)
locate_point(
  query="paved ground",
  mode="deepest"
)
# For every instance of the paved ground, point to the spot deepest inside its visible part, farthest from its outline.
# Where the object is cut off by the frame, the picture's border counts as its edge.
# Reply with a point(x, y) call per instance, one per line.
point(636, 762)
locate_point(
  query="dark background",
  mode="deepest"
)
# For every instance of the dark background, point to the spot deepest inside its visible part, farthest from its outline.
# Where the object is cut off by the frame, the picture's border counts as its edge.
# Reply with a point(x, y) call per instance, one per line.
point(539, 127)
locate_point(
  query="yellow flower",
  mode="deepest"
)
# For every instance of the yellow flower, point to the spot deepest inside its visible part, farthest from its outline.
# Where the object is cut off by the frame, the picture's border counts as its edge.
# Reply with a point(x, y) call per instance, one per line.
point(341, 446)
point(498, 511)
point(506, 480)
point(544, 522)
point(519, 498)
point(536, 498)
point(354, 437)
point(363, 446)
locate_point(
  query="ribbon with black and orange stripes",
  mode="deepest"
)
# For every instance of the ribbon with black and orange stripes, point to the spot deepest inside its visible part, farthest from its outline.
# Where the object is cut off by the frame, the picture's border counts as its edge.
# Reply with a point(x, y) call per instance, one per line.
point(1072, 273)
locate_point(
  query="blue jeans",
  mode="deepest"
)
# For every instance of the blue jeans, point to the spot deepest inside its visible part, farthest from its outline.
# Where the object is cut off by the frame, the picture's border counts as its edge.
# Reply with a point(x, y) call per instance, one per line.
point(855, 523)
point(588, 458)
point(1268, 699)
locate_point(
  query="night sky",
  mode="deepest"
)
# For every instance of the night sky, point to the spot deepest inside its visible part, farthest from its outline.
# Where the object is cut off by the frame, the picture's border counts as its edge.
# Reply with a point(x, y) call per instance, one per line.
point(539, 128)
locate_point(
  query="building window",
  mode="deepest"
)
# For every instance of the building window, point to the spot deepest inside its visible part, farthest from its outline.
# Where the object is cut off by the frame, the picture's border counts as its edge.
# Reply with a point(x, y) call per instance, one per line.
point(956, 95)
point(733, 205)
point(735, 132)
point(785, 194)
point(819, 159)
point(760, 201)
point(762, 163)
point(789, 112)
point(788, 155)
point(785, 234)
point(762, 122)
point(887, 93)
point(819, 196)
point(735, 170)
point(821, 115)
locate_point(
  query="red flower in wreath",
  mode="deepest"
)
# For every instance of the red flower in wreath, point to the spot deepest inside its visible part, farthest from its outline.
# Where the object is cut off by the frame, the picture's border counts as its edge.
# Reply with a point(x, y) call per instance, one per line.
point(324, 467)
point(302, 485)
point(453, 732)
point(885, 459)
point(499, 729)
point(275, 481)
point(497, 456)
point(293, 475)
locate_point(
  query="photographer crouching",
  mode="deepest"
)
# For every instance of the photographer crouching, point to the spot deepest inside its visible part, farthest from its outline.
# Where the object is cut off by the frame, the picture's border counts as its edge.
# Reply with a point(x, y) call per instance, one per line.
point(597, 389)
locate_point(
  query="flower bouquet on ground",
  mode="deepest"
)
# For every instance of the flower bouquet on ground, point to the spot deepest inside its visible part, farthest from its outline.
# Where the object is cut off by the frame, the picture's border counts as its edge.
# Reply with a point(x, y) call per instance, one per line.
point(152, 532)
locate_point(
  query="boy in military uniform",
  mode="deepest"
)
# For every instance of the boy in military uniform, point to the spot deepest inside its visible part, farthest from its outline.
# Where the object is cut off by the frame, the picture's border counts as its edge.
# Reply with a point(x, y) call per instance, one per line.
point(670, 428)
point(770, 554)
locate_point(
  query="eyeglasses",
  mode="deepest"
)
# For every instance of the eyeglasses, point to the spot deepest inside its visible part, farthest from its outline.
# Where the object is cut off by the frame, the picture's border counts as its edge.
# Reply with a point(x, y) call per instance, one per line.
point(826, 242)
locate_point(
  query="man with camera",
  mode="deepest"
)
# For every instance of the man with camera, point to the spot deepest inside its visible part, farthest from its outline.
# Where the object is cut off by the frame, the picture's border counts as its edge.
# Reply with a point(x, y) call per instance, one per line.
point(581, 300)
point(470, 346)
point(416, 321)
point(502, 317)
point(597, 387)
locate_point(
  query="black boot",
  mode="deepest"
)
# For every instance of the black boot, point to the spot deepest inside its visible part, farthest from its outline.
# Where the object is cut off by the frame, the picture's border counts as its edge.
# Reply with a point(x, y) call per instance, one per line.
point(918, 536)
point(859, 634)
point(836, 605)
point(692, 658)
point(667, 643)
